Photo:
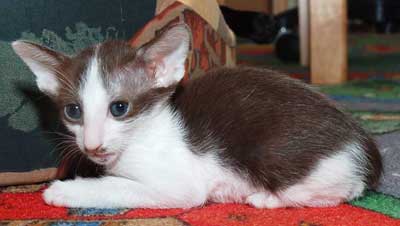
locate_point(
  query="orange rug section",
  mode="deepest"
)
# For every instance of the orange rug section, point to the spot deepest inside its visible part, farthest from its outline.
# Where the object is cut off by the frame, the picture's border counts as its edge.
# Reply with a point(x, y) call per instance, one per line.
point(24, 205)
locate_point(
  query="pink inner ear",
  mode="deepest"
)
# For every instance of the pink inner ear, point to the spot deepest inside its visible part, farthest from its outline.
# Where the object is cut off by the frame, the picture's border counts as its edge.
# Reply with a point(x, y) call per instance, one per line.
point(158, 54)
point(151, 69)
point(152, 66)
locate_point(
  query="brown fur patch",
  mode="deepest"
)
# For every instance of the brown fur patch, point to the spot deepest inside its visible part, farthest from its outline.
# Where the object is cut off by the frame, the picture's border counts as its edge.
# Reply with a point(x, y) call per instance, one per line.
point(272, 127)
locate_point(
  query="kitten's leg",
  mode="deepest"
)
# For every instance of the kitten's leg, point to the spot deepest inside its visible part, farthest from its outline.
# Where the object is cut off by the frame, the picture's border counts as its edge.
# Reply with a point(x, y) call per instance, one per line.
point(310, 194)
point(333, 181)
point(112, 192)
point(270, 201)
point(264, 200)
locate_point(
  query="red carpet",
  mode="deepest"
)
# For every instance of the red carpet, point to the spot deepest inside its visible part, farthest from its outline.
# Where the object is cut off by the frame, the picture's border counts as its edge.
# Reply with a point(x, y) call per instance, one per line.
point(24, 206)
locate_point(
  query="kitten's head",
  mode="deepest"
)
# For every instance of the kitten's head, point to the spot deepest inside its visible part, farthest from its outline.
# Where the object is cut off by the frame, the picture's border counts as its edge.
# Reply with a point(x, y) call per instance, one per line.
point(103, 89)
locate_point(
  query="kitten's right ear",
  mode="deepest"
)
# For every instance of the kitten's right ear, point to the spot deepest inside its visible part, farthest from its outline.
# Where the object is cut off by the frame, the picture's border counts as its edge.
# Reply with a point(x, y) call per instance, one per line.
point(43, 62)
point(165, 56)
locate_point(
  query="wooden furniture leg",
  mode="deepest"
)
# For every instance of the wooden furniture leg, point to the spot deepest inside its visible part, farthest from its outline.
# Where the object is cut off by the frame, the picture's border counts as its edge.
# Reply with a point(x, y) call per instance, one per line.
point(279, 6)
point(328, 41)
point(304, 31)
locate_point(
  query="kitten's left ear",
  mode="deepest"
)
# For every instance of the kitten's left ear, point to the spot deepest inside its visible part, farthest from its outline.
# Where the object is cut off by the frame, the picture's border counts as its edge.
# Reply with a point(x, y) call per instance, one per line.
point(165, 57)
point(43, 62)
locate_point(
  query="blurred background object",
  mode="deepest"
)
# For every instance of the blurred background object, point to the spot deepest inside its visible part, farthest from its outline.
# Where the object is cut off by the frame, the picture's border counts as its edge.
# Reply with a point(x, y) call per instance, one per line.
point(364, 30)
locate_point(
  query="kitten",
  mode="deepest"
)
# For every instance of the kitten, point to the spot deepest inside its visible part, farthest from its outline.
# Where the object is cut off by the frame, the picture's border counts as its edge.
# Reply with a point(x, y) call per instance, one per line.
point(242, 135)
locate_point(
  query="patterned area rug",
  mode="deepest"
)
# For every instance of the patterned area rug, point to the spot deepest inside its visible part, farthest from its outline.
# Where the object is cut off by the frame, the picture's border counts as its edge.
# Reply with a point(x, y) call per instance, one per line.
point(374, 102)
point(23, 205)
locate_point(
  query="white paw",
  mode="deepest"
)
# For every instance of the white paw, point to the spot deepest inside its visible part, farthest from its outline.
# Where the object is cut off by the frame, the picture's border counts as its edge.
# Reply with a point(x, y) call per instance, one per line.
point(264, 200)
point(60, 194)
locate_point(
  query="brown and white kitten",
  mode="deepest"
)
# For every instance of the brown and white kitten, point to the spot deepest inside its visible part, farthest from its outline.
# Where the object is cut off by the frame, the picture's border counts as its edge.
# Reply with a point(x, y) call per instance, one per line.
point(243, 135)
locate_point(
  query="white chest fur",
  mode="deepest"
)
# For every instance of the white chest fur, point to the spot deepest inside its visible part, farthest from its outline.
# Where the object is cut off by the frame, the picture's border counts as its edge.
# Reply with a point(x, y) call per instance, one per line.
point(158, 156)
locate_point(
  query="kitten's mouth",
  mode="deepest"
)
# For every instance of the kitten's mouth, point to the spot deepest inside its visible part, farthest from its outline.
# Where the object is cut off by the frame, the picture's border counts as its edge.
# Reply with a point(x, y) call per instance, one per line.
point(102, 155)
point(102, 158)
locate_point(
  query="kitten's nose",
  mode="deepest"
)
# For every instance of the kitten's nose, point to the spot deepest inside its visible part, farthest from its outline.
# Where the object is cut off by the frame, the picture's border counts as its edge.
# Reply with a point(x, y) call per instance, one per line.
point(92, 135)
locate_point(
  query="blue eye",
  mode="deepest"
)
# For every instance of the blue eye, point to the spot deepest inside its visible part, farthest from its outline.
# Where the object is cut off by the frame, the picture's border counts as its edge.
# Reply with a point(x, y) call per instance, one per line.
point(119, 108)
point(73, 112)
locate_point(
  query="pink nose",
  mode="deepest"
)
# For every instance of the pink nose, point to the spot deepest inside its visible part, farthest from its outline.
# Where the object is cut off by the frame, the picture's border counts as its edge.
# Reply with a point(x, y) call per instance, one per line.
point(93, 150)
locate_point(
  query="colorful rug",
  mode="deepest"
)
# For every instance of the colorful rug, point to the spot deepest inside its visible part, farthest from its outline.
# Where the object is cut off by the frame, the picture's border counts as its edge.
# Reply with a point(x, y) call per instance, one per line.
point(23, 205)
point(374, 102)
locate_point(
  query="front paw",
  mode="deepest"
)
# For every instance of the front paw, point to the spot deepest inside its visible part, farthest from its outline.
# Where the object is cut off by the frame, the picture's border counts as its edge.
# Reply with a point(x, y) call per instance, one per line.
point(61, 193)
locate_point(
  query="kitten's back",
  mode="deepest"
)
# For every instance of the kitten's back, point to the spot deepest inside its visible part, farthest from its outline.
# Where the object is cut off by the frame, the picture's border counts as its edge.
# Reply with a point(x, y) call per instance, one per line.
point(275, 128)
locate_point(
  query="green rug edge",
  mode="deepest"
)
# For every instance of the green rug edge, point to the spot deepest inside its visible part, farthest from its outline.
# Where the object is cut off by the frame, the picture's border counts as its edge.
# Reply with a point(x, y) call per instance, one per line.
point(380, 203)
